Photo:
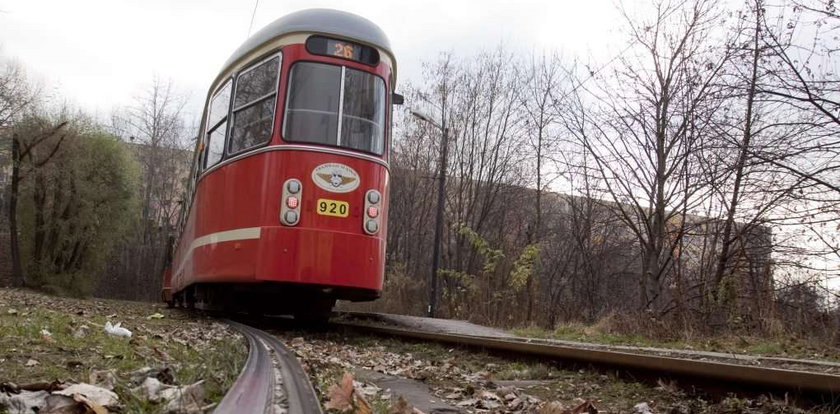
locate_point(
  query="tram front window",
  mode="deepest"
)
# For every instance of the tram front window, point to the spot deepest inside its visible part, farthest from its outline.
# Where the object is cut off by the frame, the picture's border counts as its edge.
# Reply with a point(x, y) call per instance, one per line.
point(315, 103)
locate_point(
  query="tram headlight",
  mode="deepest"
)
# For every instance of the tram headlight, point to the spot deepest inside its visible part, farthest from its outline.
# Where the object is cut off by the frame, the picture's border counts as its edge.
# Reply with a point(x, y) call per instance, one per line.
point(293, 186)
point(372, 226)
point(372, 212)
point(291, 216)
point(373, 196)
point(292, 202)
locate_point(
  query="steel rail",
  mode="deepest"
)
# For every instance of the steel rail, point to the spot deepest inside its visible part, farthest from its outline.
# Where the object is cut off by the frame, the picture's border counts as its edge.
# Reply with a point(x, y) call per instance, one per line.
point(299, 391)
point(253, 392)
point(745, 375)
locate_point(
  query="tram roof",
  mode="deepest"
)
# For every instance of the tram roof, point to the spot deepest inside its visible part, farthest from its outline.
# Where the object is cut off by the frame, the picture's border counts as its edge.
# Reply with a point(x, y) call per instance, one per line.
point(324, 21)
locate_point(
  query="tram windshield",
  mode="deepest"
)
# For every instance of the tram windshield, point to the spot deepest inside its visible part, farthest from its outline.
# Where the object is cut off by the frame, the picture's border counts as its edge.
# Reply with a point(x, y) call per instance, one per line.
point(317, 102)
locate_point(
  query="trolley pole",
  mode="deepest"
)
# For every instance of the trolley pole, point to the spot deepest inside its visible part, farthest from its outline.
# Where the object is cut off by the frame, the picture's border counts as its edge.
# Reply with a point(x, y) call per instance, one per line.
point(433, 294)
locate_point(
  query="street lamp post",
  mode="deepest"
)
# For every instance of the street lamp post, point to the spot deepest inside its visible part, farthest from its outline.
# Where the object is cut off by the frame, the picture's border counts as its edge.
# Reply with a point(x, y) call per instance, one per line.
point(444, 149)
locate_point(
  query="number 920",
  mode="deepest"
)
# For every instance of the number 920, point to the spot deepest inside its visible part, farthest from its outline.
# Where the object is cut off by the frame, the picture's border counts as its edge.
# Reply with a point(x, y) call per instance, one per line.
point(333, 208)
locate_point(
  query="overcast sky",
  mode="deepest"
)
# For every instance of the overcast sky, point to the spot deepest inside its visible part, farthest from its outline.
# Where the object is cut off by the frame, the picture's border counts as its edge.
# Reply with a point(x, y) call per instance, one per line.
point(100, 53)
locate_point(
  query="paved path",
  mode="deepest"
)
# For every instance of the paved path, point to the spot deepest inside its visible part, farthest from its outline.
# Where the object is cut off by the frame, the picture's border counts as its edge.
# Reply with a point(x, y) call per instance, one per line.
point(467, 328)
point(450, 326)
point(414, 392)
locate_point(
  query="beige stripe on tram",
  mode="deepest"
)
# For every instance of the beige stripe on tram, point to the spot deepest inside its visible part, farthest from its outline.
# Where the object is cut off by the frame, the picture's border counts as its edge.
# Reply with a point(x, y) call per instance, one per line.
point(248, 233)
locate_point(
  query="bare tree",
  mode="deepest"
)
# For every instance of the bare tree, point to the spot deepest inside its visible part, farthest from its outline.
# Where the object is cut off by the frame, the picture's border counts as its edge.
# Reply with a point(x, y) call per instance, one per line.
point(154, 128)
point(646, 141)
point(17, 94)
point(542, 79)
point(801, 40)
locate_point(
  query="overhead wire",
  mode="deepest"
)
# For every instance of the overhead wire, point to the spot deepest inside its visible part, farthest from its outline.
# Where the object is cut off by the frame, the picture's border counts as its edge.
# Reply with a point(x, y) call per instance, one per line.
point(253, 13)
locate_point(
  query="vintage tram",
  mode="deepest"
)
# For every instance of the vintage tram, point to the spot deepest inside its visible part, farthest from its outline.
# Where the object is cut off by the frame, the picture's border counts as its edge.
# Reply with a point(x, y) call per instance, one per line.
point(288, 195)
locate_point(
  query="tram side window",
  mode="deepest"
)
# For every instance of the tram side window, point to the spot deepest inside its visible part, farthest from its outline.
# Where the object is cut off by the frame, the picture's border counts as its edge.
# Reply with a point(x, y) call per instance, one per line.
point(217, 125)
point(253, 106)
point(312, 105)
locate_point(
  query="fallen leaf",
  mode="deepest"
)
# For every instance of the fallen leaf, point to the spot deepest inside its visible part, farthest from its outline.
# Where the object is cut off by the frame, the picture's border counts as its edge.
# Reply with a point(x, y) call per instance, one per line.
point(97, 395)
point(162, 354)
point(43, 386)
point(104, 378)
point(81, 331)
point(149, 390)
point(25, 401)
point(90, 405)
point(401, 406)
point(489, 404)
point(60, 404)
point(187, 399)
point(31, 363)
point(468, 402)
point(165, 375)
point(585, 407)
point(341, 395)
point(155, 315)
point(487, 395)
point(362, 406)
point(642, 408)
point(552, 407)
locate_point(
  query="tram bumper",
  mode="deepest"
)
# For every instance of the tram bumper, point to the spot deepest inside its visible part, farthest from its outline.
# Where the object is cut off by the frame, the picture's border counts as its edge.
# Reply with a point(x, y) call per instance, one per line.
point(321, 257)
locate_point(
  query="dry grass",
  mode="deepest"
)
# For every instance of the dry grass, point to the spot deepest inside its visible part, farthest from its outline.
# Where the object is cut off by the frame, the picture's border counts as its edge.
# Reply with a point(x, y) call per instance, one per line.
point(194, 349)
point(634, 330)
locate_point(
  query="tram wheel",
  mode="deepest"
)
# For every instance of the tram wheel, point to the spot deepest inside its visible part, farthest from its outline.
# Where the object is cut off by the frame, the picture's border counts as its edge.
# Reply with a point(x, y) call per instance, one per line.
point(316, 314)
point(313, 319)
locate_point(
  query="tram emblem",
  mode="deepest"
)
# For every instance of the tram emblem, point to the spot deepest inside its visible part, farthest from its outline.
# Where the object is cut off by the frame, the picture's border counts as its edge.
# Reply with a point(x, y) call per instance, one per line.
point(336, 178)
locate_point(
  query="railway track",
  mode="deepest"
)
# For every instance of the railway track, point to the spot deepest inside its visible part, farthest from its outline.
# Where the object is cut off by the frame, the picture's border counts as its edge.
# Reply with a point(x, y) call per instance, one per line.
point(272, 380)
point(814, 385)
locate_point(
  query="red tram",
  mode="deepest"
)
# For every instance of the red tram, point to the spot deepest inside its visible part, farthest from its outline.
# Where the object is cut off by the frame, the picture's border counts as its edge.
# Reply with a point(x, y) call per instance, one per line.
point(288, 195)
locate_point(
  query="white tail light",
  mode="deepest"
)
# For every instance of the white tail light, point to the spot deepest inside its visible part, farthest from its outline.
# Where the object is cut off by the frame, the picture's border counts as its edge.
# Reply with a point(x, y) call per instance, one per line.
point(293, 186)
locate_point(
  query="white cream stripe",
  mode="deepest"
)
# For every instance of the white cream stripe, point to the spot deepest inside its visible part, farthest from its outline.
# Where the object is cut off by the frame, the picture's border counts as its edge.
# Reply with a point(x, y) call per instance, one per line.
point(248, 233)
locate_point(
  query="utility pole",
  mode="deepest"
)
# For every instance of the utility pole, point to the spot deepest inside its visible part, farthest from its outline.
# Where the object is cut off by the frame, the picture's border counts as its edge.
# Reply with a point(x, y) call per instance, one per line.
point(444, 150)
point(431, 311)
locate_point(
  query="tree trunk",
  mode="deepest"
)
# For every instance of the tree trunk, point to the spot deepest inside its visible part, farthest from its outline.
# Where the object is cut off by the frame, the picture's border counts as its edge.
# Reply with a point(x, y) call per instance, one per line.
point(39, 197)
point(727, 238)
point(18, 279)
